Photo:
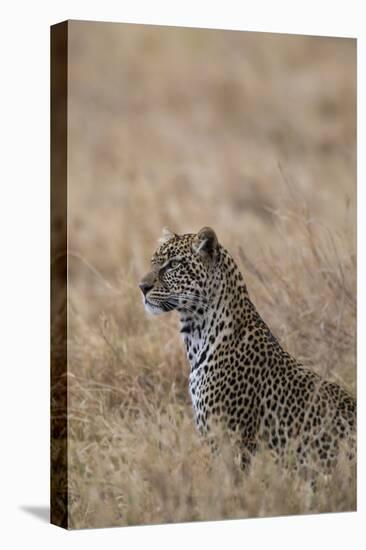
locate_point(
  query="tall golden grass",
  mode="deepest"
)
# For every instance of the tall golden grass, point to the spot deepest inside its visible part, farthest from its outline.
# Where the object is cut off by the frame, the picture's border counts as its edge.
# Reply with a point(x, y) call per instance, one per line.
point(252, 134)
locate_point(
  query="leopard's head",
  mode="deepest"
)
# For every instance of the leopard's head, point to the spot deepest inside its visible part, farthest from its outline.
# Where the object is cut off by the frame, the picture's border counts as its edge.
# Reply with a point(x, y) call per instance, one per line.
point(181, 270)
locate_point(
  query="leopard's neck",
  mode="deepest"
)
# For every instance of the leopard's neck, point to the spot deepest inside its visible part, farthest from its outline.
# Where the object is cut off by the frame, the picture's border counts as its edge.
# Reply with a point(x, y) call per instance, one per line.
point(228, 308)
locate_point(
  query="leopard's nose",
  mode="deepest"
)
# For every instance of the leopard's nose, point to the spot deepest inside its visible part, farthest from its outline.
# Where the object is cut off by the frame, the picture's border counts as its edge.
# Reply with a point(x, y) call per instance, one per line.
point(145, 287)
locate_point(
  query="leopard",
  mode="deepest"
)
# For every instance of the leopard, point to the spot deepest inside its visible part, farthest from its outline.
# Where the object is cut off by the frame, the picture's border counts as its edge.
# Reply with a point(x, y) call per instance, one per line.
point(241, 378)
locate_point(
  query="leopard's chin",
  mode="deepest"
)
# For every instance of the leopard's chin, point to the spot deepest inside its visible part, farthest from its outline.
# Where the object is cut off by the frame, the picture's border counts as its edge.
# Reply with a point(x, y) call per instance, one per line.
point(162, 306)
point(153, 309)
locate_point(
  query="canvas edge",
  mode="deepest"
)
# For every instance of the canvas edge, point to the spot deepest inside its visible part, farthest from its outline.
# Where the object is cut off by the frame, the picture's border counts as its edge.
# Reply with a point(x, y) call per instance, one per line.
point(58, 274)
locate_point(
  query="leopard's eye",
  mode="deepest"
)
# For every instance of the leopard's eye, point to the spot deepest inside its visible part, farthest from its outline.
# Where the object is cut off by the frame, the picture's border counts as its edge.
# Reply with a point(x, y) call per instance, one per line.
point(173, 264)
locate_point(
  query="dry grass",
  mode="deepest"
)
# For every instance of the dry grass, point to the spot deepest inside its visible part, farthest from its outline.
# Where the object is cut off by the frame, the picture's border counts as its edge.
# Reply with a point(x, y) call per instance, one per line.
point(255, 135)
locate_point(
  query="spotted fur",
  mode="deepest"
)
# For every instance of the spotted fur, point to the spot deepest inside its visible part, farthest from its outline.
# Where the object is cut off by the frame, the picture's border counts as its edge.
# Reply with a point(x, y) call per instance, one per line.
point(240, 376)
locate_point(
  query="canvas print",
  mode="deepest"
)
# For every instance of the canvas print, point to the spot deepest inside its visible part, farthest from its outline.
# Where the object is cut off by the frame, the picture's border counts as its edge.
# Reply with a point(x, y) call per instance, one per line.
point(203, 274)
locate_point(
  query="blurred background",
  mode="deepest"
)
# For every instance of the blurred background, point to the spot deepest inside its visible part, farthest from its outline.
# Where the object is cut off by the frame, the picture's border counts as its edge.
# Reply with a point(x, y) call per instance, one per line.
point(188, 127)
point(251, 133)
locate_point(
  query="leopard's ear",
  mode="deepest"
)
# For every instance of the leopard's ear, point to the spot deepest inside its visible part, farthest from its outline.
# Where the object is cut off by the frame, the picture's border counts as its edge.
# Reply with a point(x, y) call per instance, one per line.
point(166, 236)
point(206, 244)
